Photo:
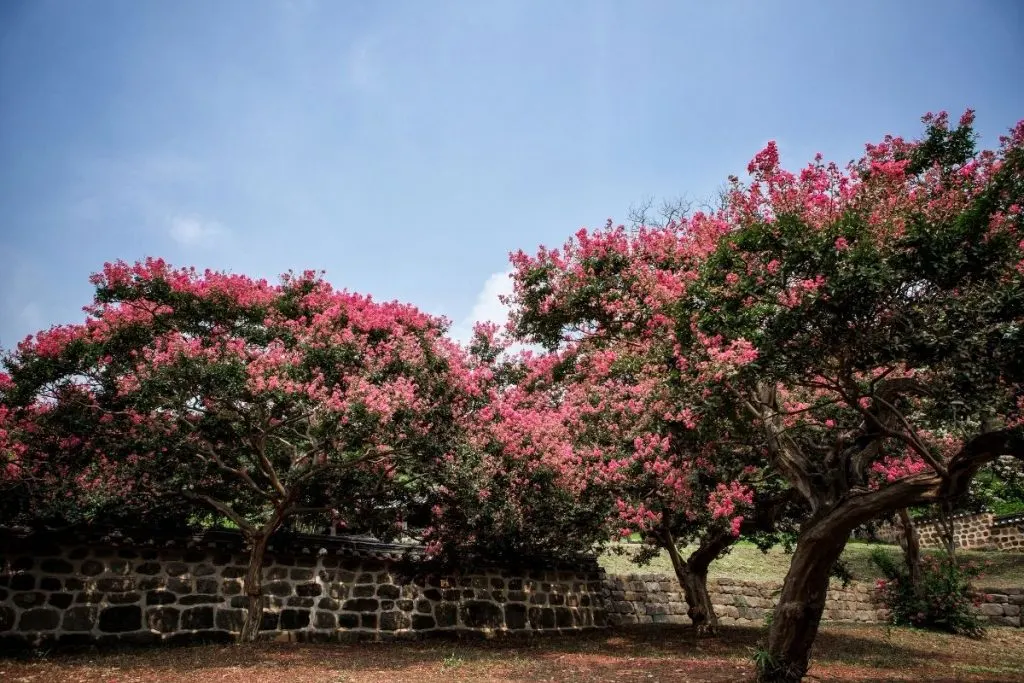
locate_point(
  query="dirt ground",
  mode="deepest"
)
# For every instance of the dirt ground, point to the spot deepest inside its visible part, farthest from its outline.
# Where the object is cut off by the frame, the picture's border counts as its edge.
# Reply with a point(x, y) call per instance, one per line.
point(842, 653)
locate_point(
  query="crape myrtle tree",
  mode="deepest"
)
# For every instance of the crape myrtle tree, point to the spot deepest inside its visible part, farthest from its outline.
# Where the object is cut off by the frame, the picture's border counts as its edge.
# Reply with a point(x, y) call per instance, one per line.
point(863, 326)
point(508, 498)
point(258, 402)
point(886, 304)
point(647, 423)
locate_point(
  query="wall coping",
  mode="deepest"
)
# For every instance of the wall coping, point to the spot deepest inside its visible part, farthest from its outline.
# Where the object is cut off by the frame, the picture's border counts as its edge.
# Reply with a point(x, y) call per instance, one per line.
point(284, 543)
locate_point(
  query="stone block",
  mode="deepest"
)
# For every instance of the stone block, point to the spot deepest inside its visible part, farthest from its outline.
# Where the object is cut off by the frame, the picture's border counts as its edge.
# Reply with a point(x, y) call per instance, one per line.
point(91, 568)
point(348, 620)
point(669, 619)
point(197, 619)
point(280, 589)
point(422, 622)
point(121, 619)
point(394, 621)
point(270, 621)
point(162, 619)
point(388, 591)
point(22, 582)
point(515, 617)
point(308, 589)
point(361, 605)
point(294, 619)
point(124, 598)
point(199, 600)
point(79, 619)
point(325, 620)
point(991, 609)
point(541, 617)
point(179, 585)
point(329, 604)
point(481, 614)
point(61, 600)
point(176, 569)
point(160, 598)
point(29, 599)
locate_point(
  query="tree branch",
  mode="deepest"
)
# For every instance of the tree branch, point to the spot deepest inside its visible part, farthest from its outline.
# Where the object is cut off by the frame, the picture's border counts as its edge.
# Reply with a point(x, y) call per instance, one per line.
point(224, 509)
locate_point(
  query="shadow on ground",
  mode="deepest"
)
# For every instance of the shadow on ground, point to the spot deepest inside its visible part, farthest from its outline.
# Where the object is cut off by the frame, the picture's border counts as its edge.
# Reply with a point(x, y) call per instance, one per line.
point(659, 653)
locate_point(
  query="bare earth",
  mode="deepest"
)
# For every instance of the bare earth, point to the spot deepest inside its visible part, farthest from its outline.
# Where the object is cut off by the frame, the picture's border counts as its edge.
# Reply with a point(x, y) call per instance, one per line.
point(843, 653)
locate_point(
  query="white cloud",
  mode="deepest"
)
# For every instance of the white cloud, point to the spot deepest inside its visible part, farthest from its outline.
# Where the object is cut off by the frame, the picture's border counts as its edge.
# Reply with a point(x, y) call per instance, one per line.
point(487, 307)
point(195, 231)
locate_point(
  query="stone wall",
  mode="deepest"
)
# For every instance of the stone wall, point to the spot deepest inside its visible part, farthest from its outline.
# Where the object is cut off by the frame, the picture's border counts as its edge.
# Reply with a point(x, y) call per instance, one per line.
point(979, 531)
point(1002, 606)
point(120, 590)
point(658, 599)
point(109, 589)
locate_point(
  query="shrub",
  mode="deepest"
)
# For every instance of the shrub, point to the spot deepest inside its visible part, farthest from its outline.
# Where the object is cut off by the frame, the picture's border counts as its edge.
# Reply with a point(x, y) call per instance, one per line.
point(944, 600)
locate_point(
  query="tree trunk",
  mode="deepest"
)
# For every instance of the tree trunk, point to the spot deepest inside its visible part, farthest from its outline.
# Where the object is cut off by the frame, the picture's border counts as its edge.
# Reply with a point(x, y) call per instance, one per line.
point(802, 602)
point(911, 544)
point(948, 530)
point(693, 578)
point(254, 588)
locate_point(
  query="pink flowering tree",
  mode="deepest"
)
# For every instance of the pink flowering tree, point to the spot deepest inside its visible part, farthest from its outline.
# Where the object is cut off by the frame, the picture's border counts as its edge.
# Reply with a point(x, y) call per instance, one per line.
point(259, 402)
point(645, 417)
point(858, 329)
point(509, 497)
point(886, 304)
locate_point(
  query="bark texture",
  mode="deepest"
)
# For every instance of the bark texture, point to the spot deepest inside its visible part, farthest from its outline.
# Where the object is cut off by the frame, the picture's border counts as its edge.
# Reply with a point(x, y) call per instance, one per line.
point(254, 589)
point(692, 575)
point(911, 544)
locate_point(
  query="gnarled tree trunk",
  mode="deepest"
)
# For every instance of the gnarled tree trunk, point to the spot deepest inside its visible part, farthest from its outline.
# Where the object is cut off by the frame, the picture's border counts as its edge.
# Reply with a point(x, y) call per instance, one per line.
point(692, 575)
point(802, 601)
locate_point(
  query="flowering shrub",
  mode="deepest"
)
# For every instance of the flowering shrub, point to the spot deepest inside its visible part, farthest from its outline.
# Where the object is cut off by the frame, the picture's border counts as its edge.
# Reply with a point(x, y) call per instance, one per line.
point(942, 602)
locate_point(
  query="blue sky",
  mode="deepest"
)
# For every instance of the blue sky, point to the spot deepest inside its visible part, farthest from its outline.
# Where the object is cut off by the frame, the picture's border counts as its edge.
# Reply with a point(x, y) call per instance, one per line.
point(407, 147)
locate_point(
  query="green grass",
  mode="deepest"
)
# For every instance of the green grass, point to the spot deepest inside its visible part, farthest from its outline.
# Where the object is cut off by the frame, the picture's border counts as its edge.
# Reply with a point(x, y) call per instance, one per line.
point(746, 563)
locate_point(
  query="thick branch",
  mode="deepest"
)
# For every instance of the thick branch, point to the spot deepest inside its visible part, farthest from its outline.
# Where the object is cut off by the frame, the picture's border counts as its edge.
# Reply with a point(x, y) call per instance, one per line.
point(864, 505)
point(224, 509)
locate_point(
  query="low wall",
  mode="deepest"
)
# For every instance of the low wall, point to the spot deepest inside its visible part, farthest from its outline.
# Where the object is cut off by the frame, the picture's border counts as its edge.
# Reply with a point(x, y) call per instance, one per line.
point(658, 599)
point(102, 590)
point(120, 590)
point(978, 531)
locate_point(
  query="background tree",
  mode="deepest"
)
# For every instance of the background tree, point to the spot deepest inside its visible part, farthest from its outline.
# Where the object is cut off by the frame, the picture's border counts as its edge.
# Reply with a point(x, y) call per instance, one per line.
point(646, 425)
point(240, 396)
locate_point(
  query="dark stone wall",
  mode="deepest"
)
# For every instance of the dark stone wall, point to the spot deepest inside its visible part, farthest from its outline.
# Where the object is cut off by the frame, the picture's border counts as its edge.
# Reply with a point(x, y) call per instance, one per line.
point(119, 590)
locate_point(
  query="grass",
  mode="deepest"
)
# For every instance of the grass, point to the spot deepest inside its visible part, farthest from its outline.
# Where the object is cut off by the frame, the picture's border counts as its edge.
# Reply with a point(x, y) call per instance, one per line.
point(662, 653)
point(745, 562)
